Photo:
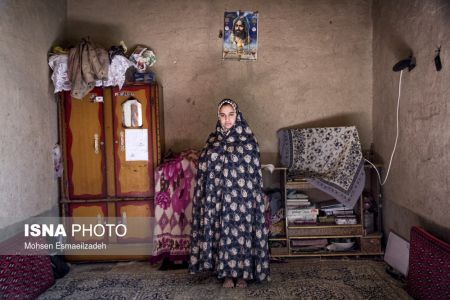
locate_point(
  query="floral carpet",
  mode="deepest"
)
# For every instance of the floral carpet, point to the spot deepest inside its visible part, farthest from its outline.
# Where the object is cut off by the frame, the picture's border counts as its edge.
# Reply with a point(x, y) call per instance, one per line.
point(294, 279)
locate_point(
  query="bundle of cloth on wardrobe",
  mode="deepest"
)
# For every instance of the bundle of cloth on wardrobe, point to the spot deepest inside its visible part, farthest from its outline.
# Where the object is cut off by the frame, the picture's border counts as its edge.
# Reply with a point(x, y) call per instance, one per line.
point(329, 158)
point(86, 66)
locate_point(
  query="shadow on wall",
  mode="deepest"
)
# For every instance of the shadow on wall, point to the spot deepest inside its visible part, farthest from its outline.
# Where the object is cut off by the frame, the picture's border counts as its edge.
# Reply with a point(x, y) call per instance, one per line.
point(180, 145)
point(439, 231)
point(400, 219)
point(398, 46)
point(105, 35)
point(270, 158)
point(331, 121)
point(395, 42)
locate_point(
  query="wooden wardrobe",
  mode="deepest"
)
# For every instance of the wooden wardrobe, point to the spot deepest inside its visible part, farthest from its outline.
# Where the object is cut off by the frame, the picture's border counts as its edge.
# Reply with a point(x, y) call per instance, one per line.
point(111, 142)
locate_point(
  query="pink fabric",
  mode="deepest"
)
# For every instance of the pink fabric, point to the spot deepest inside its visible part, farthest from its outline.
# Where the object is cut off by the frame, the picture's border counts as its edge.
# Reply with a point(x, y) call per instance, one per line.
point(175, 181)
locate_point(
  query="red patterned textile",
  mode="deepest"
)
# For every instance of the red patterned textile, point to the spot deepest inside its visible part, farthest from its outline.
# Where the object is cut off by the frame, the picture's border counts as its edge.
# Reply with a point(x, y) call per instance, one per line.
point(174, 187)
point(24, 276)
point(429, 266)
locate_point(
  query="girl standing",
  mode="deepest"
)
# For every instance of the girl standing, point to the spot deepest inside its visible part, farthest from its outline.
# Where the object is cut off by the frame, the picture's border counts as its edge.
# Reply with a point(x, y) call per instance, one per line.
point(229, 235)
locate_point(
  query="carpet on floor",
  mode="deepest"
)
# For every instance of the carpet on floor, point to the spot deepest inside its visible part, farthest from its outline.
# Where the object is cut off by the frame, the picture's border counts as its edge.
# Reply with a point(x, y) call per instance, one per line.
point(294, 279)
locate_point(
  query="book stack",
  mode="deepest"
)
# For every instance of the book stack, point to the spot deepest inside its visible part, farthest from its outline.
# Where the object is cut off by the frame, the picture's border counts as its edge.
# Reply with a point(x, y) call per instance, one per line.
point(342, 215)
point(346, 220)
point(303, 215)
point(296, 198)
point(299, 209)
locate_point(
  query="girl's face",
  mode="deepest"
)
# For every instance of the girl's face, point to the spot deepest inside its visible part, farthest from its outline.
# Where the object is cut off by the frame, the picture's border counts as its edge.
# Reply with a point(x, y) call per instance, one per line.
point(227, 116)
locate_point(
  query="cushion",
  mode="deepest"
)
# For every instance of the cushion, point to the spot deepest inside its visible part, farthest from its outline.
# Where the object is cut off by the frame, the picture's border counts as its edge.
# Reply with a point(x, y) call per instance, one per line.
point(23, 276)
point(429, 266)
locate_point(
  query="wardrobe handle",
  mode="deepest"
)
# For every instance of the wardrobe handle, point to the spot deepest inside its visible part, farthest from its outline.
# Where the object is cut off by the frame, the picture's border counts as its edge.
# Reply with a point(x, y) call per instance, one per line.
point(99, 219)
point(122, 141)
point(124, 218)
point(96, 144)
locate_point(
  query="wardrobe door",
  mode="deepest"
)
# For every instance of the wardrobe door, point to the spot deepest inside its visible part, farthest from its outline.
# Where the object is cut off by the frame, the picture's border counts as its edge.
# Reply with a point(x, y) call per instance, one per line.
point(88, 215)
point(85, 151)
point(137, 215)
point(133, 143)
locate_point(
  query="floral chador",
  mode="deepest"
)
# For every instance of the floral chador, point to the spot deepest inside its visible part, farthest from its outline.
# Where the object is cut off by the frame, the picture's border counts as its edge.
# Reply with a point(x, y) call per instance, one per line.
point(229, 235)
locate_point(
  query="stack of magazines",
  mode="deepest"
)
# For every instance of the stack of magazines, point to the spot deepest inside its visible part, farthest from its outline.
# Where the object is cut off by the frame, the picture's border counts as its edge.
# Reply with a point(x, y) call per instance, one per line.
point(303, 215)
point(342, 215)
point(296, 198)
point(299, 209)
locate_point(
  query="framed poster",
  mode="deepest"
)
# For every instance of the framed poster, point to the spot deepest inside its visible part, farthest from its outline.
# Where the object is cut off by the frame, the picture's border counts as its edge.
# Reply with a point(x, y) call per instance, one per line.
point(240, 38)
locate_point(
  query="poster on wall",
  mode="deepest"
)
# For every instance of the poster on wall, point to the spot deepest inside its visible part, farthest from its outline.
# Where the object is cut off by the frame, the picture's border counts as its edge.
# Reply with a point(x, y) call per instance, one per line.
point(240, 38)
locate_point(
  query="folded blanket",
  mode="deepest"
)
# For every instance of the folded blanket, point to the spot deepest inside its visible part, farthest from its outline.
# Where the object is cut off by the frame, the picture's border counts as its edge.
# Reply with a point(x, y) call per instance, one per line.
point(330, 158)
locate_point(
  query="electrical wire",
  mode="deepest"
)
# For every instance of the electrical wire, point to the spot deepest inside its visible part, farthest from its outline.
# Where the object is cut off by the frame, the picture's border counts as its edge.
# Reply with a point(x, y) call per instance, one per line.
point(396, 136)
